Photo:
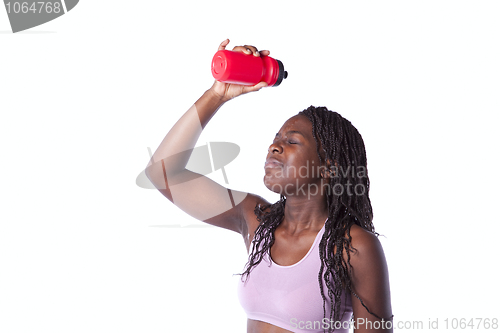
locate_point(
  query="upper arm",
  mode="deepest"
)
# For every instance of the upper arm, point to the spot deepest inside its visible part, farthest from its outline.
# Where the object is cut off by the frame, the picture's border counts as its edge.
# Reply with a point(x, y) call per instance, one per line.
point(208, 201)
point(370, 280)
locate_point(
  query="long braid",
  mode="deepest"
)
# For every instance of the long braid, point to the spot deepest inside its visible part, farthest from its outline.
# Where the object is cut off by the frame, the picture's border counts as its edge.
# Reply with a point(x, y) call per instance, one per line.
point(344, 154)
point(264, 234)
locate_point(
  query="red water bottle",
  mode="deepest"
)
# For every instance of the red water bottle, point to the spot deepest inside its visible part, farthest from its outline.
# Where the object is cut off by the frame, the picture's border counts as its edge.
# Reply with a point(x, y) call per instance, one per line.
point(247, 69)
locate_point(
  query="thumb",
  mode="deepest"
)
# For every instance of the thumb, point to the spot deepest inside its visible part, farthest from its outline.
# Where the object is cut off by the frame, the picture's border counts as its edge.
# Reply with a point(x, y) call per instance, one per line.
point(258, 86)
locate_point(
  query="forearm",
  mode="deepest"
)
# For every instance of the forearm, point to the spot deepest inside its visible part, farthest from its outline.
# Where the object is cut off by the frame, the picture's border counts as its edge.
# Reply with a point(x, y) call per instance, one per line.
point(177, 145)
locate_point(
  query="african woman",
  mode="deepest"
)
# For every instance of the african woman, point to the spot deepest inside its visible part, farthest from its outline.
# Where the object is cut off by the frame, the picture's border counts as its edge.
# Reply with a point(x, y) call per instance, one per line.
point(315, 261)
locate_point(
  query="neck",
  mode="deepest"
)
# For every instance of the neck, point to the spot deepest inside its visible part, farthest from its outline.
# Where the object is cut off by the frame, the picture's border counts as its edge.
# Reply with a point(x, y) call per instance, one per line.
point(301, 214)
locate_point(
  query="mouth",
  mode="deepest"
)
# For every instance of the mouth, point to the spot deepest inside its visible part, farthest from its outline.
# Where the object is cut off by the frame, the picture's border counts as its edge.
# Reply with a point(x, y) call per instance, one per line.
point(272, 163)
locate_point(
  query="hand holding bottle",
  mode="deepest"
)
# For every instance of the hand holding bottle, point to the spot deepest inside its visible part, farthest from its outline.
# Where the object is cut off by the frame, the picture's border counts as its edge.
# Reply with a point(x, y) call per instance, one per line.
point(227, 91)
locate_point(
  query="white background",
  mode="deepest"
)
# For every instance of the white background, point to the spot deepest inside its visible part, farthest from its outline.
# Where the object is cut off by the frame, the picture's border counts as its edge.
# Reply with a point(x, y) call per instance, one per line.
point(84, 249)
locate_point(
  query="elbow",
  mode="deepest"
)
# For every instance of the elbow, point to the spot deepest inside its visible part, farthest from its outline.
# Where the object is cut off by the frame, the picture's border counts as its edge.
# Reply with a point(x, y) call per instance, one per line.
point(147, 172)
point(156, 177)
point(159, 181)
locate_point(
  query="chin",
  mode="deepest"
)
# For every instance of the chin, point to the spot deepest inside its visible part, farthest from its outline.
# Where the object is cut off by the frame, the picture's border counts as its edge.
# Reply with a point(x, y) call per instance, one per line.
point(274, 186)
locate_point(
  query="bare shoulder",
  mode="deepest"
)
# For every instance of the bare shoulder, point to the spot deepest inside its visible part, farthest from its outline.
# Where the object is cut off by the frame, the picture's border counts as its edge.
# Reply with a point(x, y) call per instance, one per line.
point(367, 257)
point(364, 241)
point(250, 219)
point(248, 209)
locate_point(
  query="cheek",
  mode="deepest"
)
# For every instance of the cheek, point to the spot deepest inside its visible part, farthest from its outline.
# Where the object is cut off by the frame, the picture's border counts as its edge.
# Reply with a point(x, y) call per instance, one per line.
point(304, 169)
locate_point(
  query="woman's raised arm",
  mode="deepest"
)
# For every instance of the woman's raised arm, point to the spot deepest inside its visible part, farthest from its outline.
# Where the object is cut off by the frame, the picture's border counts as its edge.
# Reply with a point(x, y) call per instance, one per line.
point(196, 194)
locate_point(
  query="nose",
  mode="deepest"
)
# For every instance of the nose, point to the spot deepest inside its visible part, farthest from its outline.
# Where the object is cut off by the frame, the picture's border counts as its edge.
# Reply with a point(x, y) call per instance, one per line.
point(275, 147)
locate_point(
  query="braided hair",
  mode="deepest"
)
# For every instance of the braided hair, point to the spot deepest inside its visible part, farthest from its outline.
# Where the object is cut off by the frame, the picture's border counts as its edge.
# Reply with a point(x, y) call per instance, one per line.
point(343, 152)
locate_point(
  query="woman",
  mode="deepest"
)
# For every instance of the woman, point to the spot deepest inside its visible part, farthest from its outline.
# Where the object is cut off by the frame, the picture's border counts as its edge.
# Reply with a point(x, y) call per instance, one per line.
point(315, 258)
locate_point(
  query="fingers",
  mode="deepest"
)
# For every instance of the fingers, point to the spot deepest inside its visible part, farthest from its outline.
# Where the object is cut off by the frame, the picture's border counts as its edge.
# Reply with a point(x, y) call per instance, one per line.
point(264, 52)
point(252, 50)
point(249, 49)
point(223, 45)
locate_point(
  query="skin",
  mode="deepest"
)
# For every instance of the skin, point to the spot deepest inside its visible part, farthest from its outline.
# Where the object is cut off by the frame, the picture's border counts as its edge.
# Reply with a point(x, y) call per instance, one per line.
point(305, 213)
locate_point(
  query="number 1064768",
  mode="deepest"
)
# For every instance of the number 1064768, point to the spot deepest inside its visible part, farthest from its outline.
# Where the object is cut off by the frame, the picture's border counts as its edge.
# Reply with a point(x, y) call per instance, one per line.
point(38, 7)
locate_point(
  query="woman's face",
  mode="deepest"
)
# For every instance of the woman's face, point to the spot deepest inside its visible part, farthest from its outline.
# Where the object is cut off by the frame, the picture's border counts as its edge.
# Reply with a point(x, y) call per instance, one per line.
point(292, 165)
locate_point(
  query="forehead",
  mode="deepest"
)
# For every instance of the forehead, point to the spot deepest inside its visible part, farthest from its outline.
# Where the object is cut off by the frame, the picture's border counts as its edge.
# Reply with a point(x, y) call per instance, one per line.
point(302, 124)
point(298, 123)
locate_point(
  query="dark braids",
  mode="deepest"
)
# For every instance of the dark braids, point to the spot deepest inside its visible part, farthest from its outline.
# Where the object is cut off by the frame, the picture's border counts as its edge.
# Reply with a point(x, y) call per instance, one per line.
point(343, 153)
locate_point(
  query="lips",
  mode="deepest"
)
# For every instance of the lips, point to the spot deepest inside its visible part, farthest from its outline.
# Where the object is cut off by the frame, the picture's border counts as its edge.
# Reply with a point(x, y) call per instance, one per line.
point(273, 163)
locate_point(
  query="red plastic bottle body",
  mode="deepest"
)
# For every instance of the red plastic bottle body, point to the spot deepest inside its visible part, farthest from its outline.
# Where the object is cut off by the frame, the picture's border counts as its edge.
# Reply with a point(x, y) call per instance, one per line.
point(246, 69)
